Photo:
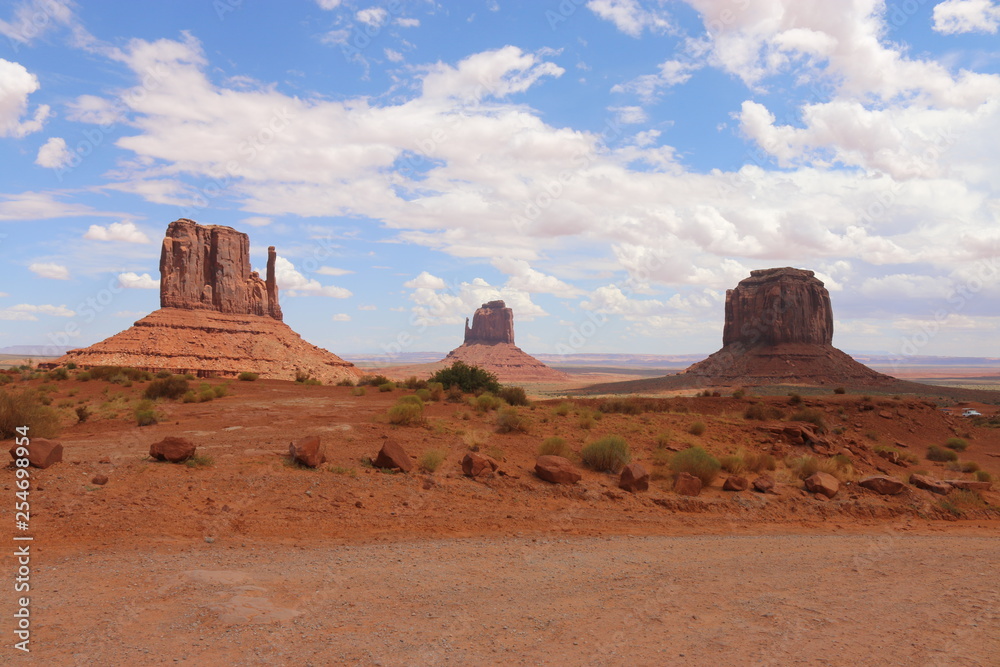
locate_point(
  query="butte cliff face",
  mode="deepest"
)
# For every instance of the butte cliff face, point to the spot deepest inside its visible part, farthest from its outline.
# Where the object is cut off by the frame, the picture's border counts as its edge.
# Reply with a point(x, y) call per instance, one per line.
point(779, 330)
point(492, 323)
point(217, 317)
point(207, 267)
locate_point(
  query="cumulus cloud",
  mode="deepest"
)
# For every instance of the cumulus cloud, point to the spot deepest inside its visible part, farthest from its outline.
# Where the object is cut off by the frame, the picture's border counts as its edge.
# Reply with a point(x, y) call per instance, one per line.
point(332, 271)
point(33, 18)
point(341, 317)
point(126, 232)
point(952, 17)
point(426, 281)
point(49, 270)
point(54, 154)
point(373, 16)
point(628, 16)
point(328, 4)
point(524, 278)
point(294, 283)
point(130, 280)
point(256, 221)
point(28, 313)
point(452, 305)
point(16, 85)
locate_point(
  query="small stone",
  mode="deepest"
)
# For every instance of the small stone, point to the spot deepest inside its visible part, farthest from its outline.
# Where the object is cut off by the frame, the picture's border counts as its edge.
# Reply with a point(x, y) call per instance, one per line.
point(763, 484)
point(309, 451)
point(557, 470)
point(393, 456)
point(99, 480)
point(477, 465)
point(887, 486)
point(735, 483)
point(823, 483)
point(172, 449)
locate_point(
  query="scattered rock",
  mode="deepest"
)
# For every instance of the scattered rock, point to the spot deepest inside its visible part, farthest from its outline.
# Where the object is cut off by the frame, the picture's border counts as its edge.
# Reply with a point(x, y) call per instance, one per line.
point(885, 414)
point(172, 449)
point(764, 484)
point(687, 484)
point(393, 456)
point(893, 457)
point(41, 452)
point(634, 478)
point(310, 452)
point(557, 470)
point(736, 483)
point(477, 465)
point(969, 484)
point(929, 484)
point(823, 483)
point(99, 480)
point(887, 486)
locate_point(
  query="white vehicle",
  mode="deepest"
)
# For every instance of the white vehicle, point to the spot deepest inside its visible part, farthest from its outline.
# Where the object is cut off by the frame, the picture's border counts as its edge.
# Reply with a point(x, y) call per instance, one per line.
point(969, 412)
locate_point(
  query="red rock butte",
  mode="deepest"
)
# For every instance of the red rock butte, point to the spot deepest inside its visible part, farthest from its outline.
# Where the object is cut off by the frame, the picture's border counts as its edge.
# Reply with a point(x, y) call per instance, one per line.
point(779, 330)
point(217, 318)
point(489, 344)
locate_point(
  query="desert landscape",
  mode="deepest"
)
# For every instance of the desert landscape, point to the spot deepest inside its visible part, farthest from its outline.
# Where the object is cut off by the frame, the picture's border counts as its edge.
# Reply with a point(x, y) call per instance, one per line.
point(199, 498)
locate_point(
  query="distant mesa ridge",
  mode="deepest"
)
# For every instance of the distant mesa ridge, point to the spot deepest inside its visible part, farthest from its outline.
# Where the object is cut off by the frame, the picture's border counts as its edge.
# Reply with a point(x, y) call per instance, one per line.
point(217, 317)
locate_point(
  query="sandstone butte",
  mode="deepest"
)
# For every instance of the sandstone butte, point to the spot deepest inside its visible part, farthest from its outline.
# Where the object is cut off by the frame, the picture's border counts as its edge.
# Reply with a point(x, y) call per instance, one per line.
point(217, 318)
point(779, 330)
point(489, 344)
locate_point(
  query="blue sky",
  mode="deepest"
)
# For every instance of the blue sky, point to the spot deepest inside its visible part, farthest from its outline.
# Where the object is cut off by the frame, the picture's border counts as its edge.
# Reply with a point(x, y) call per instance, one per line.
point(608, 167)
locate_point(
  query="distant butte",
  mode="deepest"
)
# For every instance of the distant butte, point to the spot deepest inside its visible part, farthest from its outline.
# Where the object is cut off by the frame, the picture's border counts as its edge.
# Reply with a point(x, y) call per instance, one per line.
point(217, 317)
point(489, 344)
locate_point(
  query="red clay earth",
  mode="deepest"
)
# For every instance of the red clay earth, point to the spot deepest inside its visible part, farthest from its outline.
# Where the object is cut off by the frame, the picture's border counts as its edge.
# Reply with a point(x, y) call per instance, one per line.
point(244, 558)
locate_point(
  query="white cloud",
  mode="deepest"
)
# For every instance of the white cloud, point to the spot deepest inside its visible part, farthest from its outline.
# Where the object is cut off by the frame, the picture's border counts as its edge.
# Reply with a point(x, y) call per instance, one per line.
point(293, 283)
point(49, 270)
point(256, 221)
point(328, 4)
point(341, 317)
point(434, 307)
point(132, 280)
point(407, 23)
point(630, 115)
point(671, 73)
point(126, 232)
point(16, 84)
point(426, 281)
point(526, 279)
point(369, 307)
point(333, 271)
point(33, 18)
point(42, 206)
point(54, 154)
point(628, 16)
point(952, 17)
point(27, 312)
point(373, 16)
point(93, 110)
point(394, 56)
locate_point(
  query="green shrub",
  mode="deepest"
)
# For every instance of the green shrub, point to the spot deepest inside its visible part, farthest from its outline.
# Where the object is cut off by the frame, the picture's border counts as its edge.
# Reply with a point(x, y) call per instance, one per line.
point(794, 399)
point(624, 406)
point(411, 398)
point(162, 374)
point(199, 461)
point(555, 446)
point(486, 402)
point(386, 387)
point(957, 444)
point(307, 379)
point(759, 461)
point(812, 416)
point(739, 393)
point(58, 374)
point(509, 420)
point(123, 374)
point(454, 394)
point(697, 428)
point(423, 394)
point(172, 387)
point(189, 397)
point(358, 391)
point(963, 466)
point(733, 464)
point(247, 376)
point(436, 390)
point(24, 408)
point(803, 466)
point(406, 414)
point(82, 414)
point(220, 390)
point(83, 376)
point(206, 396)
point(983, 476)
point(432, 460)
point(587, 420)
point(71, 365)
point(468, 378)
point(762, 412)
point(840, 390)
point(145, 413)
point(514, 395)
point(413, 383)
point(563, 408)
point(373, 380)
point(5, 379)
point(698, 462)
point(610, 453)
point(938, 453)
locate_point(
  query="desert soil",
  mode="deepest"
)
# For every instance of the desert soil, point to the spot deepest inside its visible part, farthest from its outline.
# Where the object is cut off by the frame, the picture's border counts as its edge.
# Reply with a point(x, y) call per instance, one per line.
point(250, 560)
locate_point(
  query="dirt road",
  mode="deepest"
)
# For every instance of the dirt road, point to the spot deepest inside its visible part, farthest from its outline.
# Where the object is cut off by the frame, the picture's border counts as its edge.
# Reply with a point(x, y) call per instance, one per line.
point(882, 599)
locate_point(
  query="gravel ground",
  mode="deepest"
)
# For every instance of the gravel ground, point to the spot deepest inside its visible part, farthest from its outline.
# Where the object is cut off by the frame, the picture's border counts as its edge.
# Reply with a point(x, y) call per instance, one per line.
point(882, 599)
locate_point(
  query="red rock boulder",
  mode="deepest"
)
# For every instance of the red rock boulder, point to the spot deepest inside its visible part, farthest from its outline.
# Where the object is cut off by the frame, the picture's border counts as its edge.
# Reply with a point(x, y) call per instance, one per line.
point(634, 478)
point(764, 484)
point(969, 484)
point(477, 465)
point(687, 484)
point(887, 486)
point(172, 449)
point(557, 470)
point(310, 452)
point(41, 452)
point(930, 484)
point(735, 483)
point(393, 456)
point(823, 483)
